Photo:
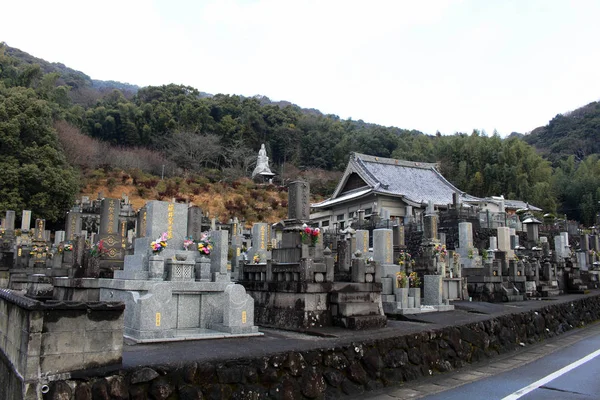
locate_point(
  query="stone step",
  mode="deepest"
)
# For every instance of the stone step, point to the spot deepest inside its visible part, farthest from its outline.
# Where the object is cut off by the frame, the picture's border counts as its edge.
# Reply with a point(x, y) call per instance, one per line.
point(358, 309)
point(516, 297)
point(364, 322)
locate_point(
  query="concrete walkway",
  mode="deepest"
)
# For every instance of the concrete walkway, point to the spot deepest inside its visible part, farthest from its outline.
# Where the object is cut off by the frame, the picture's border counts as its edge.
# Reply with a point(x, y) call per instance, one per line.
point(276, 341)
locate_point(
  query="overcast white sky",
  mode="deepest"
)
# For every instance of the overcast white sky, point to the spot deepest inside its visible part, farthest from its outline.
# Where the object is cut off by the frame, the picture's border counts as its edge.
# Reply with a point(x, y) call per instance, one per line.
point(452, 66)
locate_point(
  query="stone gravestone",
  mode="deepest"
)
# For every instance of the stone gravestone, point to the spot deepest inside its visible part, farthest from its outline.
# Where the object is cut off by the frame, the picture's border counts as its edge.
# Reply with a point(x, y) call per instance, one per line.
point(110, 235)
point(59, 237)
point(218, 258)
point(432, 288)
point(430, 225)
point(73, 226)
point(383, 252)
point(469, 255)
point(26, 221)
point(299, 201)
point(180, 307)
point(503, 235)
point(260, 239)
point(9, 221)
point(161, 216)
point(194, 223)
point(399, 236)
point(362, 241)
point(141, 222)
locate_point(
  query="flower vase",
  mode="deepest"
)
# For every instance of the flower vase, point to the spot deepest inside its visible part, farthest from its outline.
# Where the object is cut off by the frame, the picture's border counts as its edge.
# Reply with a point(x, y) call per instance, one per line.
point(416, 293)
point(402, 296)
point(156, 267)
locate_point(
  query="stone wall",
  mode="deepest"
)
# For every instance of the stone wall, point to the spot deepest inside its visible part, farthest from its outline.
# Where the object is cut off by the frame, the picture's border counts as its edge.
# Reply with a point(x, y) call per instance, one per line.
point(41, 340)
point(341, 370)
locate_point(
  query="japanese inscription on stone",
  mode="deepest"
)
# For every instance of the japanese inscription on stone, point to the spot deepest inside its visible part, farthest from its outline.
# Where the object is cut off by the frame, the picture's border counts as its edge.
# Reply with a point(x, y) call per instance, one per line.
point(171, 215)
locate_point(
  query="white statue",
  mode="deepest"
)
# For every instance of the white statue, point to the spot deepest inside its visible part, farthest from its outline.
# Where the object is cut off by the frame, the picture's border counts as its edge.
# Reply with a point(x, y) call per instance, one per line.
point(262, 164)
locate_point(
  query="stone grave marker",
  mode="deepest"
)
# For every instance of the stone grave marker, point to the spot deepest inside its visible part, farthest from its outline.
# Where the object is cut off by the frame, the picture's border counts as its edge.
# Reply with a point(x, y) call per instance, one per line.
point(26, 221)
point(362, 241)
point(73, 226)
point(299, 201)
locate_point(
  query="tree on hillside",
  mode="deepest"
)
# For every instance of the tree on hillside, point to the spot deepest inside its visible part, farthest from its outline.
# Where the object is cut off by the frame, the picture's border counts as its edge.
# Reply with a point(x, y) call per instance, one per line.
point(34, 173)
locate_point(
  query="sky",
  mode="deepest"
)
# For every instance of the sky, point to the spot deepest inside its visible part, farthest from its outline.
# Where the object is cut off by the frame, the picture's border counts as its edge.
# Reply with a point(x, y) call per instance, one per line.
point(448, 66)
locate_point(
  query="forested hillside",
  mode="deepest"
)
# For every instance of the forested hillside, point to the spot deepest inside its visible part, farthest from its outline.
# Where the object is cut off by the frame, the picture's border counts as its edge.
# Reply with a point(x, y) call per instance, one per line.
point(576, 133)
point(194, 137)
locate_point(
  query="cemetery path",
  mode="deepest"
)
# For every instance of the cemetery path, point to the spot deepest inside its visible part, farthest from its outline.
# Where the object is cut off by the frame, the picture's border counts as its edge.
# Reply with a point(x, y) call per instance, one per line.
point(277, 341)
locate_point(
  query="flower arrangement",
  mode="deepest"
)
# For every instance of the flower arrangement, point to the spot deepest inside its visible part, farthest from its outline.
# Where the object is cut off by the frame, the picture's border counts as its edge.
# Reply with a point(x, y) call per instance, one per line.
point(594, 253)
point(440, 249)
point(97, 249)
point(38, 249)
point(205, 245)
point(471, 253)
point(401, 279)
point(67, 247)
point(159, 244)
point(256, 259)
point(405, 258)
point(484, 255)
point(413, 280)
point(456, 258)
point(188, 242)
point(310, 235)
point(243, 249)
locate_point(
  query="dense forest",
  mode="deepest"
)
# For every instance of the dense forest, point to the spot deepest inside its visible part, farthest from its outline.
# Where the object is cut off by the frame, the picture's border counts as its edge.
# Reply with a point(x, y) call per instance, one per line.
point(51, 115)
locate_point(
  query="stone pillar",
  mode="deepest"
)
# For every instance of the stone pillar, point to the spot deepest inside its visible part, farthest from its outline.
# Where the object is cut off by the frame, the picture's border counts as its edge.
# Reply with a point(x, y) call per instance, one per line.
point(399, 239)
point(59, 237)
point(40, 227)
point(299, 201)
point(504, 241)
point(73, 226)
point(194, 223)
point(218, 258)
point(362, 241)
point(9, 221)
point(26, 221)
point(141, 222)
point(383, 251)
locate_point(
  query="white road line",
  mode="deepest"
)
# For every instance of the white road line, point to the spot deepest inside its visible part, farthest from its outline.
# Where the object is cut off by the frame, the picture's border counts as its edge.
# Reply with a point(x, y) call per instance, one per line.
point(522, 392)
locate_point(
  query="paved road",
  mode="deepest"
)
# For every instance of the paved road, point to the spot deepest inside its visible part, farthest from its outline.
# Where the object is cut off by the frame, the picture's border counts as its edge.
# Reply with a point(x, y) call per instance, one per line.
point(546, 371)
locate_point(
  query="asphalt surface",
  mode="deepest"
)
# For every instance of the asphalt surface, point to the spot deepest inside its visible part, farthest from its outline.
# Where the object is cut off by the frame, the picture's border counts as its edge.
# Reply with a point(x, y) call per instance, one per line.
point(277, 341)
point(506, 375)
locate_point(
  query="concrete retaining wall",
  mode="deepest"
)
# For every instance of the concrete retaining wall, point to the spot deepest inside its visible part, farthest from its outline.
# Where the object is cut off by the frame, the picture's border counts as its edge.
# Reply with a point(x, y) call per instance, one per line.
point(41, 341)
point(337, 371)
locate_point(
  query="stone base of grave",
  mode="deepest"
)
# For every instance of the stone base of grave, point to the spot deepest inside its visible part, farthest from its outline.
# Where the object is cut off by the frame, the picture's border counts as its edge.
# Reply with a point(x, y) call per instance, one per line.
point(303, 305)
point(76, 289)
point(18, 277)
point(157, 311)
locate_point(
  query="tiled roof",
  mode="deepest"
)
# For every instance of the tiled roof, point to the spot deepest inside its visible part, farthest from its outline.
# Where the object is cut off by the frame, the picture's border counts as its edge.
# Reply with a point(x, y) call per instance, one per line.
point(518, 204)
point(415, 182)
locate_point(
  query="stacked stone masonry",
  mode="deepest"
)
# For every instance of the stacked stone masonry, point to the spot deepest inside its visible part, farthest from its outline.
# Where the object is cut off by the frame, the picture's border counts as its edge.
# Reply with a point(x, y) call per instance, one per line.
point(332, 372)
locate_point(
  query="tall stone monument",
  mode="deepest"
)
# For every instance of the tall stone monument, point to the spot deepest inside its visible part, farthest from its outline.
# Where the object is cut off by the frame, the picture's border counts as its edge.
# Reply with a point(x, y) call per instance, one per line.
point(178, 294)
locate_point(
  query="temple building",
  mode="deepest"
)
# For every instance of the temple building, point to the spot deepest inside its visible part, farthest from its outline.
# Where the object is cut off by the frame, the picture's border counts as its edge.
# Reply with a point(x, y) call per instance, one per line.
point(392, 189)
